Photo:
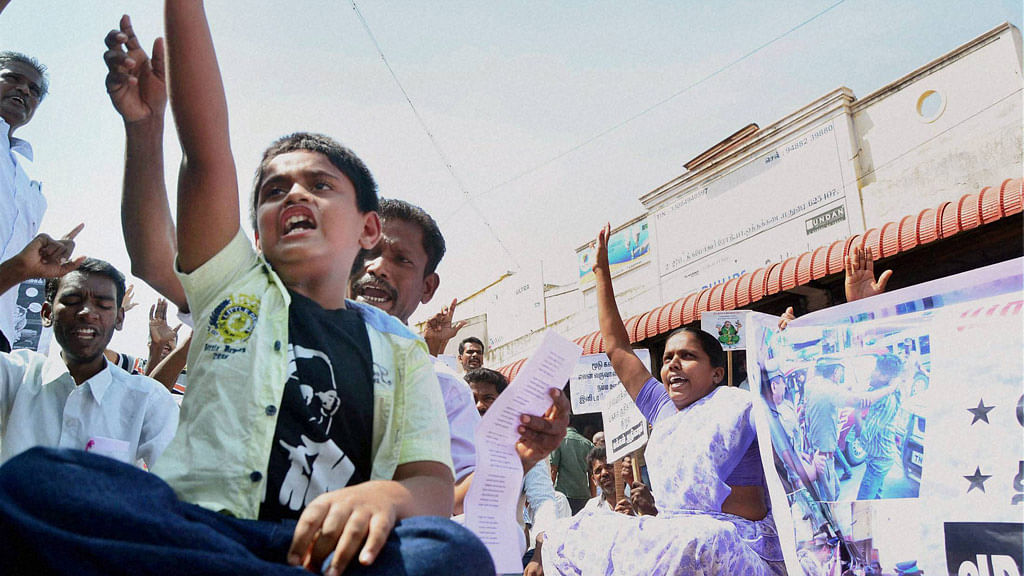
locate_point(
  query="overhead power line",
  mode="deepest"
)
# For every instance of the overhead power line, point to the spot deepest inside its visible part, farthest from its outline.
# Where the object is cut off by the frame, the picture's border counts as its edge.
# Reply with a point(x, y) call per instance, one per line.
point(468, 198)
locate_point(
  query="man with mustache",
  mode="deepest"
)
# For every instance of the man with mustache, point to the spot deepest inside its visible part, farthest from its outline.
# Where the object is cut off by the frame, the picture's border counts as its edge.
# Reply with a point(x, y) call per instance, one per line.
point(397, 276)
point(23, 85)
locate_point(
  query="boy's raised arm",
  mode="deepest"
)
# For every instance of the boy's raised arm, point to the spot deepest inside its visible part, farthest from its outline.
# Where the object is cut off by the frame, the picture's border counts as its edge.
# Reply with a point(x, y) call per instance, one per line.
point(207, 184)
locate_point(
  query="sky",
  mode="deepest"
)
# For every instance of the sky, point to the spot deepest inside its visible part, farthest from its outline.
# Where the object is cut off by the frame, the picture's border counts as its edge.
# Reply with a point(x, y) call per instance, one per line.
point(521, 127)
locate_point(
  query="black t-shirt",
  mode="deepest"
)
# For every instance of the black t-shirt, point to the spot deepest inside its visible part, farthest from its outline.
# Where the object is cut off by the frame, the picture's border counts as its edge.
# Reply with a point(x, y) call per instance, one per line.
point(323, 437)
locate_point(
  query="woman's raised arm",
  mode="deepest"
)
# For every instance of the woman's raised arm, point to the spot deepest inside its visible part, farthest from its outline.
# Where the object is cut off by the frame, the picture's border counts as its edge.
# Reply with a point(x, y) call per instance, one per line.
point(628, 367)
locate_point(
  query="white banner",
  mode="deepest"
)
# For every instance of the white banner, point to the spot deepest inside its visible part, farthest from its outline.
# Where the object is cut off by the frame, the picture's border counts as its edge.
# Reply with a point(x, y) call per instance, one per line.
point(896, 424)
point(594, 377)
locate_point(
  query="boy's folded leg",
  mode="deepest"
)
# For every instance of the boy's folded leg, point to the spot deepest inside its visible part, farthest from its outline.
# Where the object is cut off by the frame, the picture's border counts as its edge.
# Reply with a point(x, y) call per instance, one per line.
point(71, 512)
point(424, 546)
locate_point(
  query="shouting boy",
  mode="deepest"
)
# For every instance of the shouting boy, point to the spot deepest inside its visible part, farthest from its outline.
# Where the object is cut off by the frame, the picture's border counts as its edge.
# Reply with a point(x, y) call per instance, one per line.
point(319, 417)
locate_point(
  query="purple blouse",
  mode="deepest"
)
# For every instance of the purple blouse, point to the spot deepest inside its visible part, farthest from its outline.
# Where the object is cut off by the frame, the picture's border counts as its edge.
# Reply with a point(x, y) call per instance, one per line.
point(655, 404)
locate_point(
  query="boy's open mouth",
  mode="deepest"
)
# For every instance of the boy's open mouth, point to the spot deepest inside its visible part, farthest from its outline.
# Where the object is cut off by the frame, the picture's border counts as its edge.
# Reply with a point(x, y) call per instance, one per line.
point(297, 219)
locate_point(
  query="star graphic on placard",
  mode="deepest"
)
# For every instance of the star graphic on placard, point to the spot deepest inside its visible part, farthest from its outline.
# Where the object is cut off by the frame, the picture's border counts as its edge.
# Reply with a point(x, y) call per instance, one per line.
point(981, 412)
point(977, 479)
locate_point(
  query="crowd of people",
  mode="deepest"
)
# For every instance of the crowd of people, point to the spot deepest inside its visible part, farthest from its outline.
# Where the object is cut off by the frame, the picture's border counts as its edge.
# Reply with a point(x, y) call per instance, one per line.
point(302, 424)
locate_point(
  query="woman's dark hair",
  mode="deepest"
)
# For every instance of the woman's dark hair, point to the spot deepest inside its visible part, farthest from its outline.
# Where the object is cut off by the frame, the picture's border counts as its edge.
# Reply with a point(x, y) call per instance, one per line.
point(708, 343)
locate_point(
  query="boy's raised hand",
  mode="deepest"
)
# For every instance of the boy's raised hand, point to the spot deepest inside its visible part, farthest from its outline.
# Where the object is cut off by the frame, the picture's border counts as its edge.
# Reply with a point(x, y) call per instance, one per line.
point(136, 84)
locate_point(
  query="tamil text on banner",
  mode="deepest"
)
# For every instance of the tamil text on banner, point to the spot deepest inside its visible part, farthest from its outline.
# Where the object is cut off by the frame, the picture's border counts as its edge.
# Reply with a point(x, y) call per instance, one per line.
point(593, 378)
point(625, 428)
point(894, 428)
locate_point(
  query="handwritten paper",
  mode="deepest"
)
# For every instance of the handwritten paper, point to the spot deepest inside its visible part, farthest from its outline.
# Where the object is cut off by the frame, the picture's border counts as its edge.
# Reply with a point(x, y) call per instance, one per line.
point(494, 494)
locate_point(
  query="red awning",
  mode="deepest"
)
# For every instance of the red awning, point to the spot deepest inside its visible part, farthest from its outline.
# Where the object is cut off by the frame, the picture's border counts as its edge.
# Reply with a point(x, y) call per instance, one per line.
point(947, 219)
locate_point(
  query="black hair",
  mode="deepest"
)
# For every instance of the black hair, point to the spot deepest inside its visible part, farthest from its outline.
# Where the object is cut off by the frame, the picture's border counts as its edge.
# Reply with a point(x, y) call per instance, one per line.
point(90, 266)
point(8, 56)
point(487, 376)
point(474, 340)
point(708, 343)
point(596, 453)
point(341, 157)
point(433, 241)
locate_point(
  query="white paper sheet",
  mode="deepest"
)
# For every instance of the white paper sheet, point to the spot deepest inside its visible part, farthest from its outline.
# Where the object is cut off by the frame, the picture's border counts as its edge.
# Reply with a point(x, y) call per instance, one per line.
point(492, 499)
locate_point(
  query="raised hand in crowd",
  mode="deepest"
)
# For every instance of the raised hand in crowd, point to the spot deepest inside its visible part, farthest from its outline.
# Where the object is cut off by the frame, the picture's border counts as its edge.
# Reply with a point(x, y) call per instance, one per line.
point(860, 275)
point(162, 338)
point(135, 82)
point(540, 435)
point(627, 365)
point(137, 88)
point(128, 301)
point(440, 330)
point(170, 368)
point(787, 317)
point(640, 497)
point(43, 257)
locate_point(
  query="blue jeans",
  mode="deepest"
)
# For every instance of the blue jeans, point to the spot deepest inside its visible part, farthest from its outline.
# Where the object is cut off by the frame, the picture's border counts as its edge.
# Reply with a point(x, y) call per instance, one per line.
point(875, 471)
point(72, 512)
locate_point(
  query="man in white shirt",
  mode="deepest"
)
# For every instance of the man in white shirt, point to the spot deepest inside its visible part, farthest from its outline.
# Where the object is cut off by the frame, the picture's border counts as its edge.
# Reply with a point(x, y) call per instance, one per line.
point(23, 85)
point(78, 400)
point(602, 475)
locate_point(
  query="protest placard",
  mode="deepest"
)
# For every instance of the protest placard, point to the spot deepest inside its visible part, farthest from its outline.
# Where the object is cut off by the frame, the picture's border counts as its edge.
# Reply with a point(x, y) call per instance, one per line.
point(867, 377)
point(593, 378)
point(625, 428)
point(727, 326)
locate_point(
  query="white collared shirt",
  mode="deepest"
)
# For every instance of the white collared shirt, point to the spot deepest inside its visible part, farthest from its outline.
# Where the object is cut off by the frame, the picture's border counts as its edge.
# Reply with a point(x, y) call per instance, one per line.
point(598, 504)
point(21, 210)
point(40, 405)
